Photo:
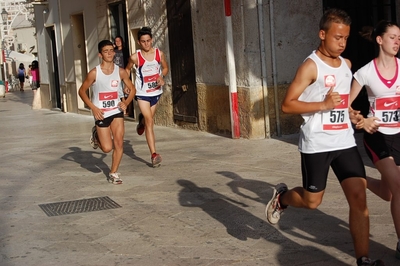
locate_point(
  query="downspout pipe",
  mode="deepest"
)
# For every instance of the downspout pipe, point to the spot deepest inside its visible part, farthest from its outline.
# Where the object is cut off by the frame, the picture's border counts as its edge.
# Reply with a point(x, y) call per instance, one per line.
point(233, 100)
point(264, 81)
point(274, 74)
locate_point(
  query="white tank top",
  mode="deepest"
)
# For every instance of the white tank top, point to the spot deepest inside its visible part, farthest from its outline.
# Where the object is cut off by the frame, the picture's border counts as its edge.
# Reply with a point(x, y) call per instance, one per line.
point(327, 130)
point(107, 91)
point(147, 73)
point(383, 96)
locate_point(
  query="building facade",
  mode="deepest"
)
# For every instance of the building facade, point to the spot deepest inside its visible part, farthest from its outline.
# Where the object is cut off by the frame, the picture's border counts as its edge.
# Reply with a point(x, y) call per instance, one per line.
point(270, 40)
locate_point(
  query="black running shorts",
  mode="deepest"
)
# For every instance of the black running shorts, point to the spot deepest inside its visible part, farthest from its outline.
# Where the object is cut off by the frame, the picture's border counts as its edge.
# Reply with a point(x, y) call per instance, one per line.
point(106, 122)
point(315, 167)
point(379, 146)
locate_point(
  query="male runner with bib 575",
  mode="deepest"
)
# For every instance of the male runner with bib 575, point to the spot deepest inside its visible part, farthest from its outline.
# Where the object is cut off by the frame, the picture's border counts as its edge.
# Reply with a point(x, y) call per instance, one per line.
point(320, 93)
point(107, 106)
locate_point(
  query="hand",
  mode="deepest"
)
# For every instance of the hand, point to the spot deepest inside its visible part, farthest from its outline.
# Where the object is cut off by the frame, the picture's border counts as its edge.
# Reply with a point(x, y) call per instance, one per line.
point(332, 99)
point(356, 118)
point(98, 114)
point(160, 81)
point(371, 124)
point(122, 106)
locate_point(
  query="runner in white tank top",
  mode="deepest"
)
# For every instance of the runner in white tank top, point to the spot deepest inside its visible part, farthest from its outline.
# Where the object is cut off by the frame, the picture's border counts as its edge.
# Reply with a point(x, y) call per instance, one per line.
point(151, 67)
point(147, 74)
point(381, 77)
point(107, 91)
point(330, 129)
point(320, 93)
point(107, 107)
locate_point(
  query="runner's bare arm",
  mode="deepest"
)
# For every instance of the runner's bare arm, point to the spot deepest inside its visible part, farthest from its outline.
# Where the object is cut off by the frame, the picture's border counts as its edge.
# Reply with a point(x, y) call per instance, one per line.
point(306, 75)
point(90, 79)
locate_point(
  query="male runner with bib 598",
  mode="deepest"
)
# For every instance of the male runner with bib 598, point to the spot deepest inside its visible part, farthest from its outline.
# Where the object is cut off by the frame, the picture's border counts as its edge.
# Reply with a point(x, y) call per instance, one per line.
point(151, 68)
point(107, 106)
point(320, 93)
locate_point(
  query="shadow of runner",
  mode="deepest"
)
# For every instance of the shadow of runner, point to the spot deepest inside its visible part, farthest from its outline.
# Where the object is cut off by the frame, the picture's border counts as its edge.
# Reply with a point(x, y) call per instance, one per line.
point(90, 160)
point(242, 225)
point(128, 150)
point(313, 226)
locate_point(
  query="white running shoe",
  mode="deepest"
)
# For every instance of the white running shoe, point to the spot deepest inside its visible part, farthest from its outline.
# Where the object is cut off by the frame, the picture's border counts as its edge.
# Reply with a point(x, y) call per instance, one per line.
point(274, 210)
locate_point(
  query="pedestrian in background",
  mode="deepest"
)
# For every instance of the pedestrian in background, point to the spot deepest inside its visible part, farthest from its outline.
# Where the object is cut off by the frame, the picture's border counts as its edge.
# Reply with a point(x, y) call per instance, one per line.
point(35, 84)
point(29, 74)
point(320, 93)
point(151, 68)
point(121, 59)
point(21, 76)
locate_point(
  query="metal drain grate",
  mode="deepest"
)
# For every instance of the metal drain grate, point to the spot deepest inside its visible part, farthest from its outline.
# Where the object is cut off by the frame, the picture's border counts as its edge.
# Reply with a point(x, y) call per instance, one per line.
point(79, 206)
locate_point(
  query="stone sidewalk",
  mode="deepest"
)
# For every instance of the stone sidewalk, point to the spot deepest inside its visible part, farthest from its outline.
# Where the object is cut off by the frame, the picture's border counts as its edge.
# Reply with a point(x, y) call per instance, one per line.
point(203, 206)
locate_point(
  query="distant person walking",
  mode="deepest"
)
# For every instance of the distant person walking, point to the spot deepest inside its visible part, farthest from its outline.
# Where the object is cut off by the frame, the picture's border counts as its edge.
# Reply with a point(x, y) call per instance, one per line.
point(21, 76)
point(29, 74)
point(151, 68)
point(35, 84)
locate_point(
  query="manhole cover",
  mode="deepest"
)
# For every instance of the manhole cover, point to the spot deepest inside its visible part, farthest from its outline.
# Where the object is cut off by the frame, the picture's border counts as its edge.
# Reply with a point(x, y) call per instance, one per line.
point(79, 206)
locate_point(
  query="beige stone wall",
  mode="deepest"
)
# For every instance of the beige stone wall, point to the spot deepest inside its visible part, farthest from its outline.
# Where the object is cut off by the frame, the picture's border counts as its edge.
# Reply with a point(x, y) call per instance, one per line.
point(45, 96)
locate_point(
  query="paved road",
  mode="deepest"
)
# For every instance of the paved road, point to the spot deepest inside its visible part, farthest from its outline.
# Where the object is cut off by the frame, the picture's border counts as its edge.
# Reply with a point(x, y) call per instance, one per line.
point(203, 206)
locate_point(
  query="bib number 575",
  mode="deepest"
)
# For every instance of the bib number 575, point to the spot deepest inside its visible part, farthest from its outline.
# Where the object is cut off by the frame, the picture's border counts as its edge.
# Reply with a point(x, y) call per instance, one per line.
point(337, 116)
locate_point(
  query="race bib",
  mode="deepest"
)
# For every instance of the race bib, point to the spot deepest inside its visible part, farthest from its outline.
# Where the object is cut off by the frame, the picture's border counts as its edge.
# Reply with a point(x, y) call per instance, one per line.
point(108, 100)
point(387, 110)
point(337, 119)
point(151, 83)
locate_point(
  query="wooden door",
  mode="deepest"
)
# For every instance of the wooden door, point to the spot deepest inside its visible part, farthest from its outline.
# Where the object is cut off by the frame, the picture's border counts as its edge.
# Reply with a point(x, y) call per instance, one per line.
point(184, 92)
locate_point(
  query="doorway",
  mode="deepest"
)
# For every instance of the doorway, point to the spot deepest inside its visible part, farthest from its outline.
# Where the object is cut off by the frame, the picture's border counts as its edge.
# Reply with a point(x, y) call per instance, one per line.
point(184, 90)
point(80, 63)
point(54, 79)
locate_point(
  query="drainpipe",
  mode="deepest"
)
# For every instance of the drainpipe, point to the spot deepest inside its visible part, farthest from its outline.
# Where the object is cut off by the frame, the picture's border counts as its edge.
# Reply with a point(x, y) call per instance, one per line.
point(264, 82)
point(233, 101)
point(277, 109)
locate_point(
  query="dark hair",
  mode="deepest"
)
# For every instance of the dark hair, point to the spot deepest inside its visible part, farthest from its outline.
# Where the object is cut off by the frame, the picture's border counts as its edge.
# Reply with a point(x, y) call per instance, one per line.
point(122, 40)
point(334, 15)
point(35, 64)
point(144, 31)
point(21, 66)
point(104, 43)
point(381, 28)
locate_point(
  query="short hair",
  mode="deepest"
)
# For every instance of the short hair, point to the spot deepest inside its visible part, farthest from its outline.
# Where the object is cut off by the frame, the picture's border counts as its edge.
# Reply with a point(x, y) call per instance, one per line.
point(334, 15)
point(144, 31)
point(104, 43)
